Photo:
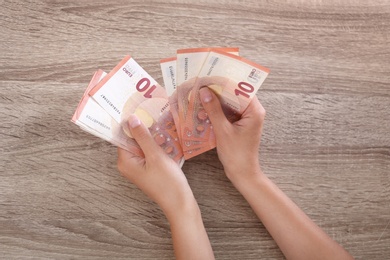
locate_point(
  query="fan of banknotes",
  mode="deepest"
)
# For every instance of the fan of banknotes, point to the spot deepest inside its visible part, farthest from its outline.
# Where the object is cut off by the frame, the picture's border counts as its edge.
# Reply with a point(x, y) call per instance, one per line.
point(174, 113)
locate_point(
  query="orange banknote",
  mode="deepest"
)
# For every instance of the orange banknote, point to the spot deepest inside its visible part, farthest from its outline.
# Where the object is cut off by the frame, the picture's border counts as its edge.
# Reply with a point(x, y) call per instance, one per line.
point(235, 80)
point(189, 63)
point(92, 118)
point(174, 113)
point(168, 70)
point(129, 89)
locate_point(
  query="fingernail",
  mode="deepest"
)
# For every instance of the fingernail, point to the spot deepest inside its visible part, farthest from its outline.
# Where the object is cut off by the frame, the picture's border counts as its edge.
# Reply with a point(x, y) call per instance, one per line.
point(134, 121)
point(205, 94)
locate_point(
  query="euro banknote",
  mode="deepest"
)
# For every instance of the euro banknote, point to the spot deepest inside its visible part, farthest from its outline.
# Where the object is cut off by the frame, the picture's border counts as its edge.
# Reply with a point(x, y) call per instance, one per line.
point(174, 113)
point(168, 70)
point(235, 80)
point(189, 62)
point(92, 118)
point(129, 89)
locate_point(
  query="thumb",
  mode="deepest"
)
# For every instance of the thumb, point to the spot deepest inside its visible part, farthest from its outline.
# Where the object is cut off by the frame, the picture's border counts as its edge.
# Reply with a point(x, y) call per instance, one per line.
point(142, 135)
point(214, 110)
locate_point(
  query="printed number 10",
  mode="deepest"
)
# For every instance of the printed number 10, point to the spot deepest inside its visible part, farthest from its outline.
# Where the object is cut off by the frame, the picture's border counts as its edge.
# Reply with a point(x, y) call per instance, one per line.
point(244, 89)
point(143, 85)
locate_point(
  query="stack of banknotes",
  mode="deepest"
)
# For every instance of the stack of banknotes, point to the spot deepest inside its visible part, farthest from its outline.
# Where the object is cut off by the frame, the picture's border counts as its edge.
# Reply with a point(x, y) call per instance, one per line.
point(174, 113)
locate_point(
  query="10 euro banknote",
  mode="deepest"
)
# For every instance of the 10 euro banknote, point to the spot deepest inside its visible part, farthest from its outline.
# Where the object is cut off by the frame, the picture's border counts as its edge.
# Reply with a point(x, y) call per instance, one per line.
point(235, 81)
point(174, 113)
point(126, 90)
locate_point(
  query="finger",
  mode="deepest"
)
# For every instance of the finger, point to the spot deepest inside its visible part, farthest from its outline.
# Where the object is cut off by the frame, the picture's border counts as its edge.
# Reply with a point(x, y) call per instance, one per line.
point(214, 111)
point(254, 114)
point(255, 109)
point(129, 164)
point(260, 109)
point(142, 136)
point(123, 157)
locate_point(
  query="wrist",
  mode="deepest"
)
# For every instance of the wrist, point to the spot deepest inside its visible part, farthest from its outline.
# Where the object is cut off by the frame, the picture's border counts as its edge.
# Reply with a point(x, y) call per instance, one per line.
point(237, 172)
point(185, 207)
point(245, 177)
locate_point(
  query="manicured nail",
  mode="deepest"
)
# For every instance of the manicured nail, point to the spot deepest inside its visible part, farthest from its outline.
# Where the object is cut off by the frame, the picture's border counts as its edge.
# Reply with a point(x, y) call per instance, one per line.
point(205, 94)
point(134, 121)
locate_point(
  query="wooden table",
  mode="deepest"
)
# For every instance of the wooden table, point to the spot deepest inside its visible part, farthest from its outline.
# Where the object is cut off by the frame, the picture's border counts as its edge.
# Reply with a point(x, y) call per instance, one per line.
point(326, 139)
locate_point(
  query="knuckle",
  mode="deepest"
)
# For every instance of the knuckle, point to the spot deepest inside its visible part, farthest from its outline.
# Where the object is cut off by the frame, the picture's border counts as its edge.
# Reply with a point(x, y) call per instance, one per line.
point(121, 167)
point(260, 115)
point(262, 111)
point(126, 170)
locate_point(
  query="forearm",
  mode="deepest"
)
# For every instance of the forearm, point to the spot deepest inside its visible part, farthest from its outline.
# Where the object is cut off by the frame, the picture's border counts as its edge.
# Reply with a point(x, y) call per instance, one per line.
point(190, 240)
point(295, 233)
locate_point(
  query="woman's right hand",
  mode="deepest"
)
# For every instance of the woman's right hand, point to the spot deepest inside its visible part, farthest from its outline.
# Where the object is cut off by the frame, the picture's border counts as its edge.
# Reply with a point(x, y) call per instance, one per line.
point(237, 143)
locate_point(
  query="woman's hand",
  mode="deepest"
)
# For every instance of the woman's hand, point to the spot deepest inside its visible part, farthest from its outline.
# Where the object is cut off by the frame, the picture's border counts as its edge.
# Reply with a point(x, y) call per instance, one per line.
point(157, 175)
point(237, 143)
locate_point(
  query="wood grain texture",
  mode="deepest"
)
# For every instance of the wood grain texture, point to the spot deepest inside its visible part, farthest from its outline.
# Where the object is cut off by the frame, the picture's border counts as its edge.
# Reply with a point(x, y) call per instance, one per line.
point(326, 139)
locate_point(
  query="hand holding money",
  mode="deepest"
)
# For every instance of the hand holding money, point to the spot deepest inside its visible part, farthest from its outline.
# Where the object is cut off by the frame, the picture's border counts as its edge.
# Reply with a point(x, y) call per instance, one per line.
point(174, 115)
point(244, 135)
point(153, 172)
point(233, 79)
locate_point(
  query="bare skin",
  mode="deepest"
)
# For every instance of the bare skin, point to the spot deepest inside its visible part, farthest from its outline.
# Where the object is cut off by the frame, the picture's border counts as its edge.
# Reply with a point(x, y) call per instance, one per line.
point(295, 233)
point(163, 181)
